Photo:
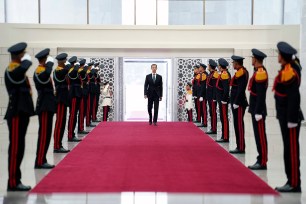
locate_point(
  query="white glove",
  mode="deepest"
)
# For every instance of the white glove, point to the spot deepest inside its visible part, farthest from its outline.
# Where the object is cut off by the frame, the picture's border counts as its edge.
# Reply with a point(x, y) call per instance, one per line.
point(201, 99)
point(235, 106)
point(214, 100)
point(223, 102)
point(77, 63)
point(86, 65)
point(49, 59)
point(258, 117)
point(292, 125)
point(26, 56)
point(92, 67)
point(97, 68)
point(67, 63)
point(195, 97)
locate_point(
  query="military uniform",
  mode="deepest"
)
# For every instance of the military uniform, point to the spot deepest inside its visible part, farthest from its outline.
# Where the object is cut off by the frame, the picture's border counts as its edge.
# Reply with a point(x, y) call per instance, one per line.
point(20, 109)
point(222, 92)
point(91, 97)
point(45, 107)
point(258, 87)
point(62, 97)
point(201, 95)
point(75, 94)
point(195, 86)
point(211, 96)
point(289, 114)
point(83, 102)
point(98, 93)
point(239, 103)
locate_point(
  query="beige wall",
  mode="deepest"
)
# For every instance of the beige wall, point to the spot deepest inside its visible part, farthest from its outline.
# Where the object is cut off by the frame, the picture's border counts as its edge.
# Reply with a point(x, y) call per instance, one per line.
point(148, 41)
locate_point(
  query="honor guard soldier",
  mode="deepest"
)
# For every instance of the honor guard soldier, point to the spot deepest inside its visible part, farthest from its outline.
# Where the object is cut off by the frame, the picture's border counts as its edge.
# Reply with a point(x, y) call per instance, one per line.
point(92, 96)
point(195, 84)
point(289, 114)
point(211, 95)
point(20, 109)
point(45, 106)
point(239, 101)
point(202, 77)
point(75, 94)
point(83, 102)
point(98, 92)
point(62, 96)
point(222, 89)
point(258, 88)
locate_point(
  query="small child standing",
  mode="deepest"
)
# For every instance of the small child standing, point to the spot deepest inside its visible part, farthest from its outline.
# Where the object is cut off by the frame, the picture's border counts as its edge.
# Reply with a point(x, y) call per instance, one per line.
point(107, 100)
point(188, 101)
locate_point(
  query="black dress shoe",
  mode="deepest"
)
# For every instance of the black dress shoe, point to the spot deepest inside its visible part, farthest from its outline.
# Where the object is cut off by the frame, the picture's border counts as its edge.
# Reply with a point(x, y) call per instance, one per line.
point(150, 123)
point(257, 166)
point(211, 132)
point(19, 187)
point(155, 124)
point(236, 151)
point(74, 139)
point(61, 150)
point(222, 141)
point(44, 166)
point(287, 188)
point(91, 125)
point(83, 132)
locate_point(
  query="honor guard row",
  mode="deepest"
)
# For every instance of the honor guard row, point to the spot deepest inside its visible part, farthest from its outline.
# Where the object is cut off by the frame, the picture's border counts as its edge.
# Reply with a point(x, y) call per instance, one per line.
point(218, 87)
point(74, 84)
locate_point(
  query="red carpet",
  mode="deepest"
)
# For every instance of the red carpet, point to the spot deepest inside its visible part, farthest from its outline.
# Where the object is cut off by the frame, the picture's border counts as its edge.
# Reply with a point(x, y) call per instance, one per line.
point(133, 156)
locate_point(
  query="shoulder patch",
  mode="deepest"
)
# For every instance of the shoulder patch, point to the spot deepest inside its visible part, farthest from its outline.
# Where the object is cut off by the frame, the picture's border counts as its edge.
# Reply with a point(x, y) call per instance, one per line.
point(59, 68)
point(261, 75)
point(287, 73)
point(216, 75)
point(224, 75)
point(239, 73)
point(198, 76)
point(204, 76)
point(12, 66)
point(40, 69)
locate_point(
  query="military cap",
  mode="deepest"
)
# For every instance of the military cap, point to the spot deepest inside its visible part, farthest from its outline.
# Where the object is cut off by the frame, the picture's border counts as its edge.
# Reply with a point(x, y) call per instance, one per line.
point(61, 56)
point(258, 54)
point(212, 63)
point(237, 58)
point(203, 65)
point(196, 66)
point(222, 62)
point(42, 54)
point(82, 62)
point(285, 48)
point(97, 64)
point(90, 63)
point(17, 48)
point(73, 59)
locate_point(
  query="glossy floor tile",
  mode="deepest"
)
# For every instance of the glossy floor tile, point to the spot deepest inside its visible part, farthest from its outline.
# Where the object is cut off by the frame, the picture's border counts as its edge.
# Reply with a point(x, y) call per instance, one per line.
point(274, 176)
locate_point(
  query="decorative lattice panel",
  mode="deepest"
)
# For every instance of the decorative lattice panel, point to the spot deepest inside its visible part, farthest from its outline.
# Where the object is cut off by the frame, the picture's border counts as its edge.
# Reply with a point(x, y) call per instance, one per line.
point(107, 72)
point(185, 75)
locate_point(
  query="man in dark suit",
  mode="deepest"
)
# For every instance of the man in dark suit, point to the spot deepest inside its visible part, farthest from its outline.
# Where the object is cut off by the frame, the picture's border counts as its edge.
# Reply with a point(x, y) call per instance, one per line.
point(153, 90)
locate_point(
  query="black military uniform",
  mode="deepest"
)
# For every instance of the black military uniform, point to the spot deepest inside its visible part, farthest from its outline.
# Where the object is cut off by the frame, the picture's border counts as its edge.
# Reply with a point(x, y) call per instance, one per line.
point(222, 89)
point(258, 88)
point(91, 96)
point(62, 96)
point(201, 94)
point(195, 86)
point(75, 94)
point(211, 96)
point(45, 107)
point(20, 109)
point(98, 93)
point(239, 102)
point(83, 102)
point(289, 114)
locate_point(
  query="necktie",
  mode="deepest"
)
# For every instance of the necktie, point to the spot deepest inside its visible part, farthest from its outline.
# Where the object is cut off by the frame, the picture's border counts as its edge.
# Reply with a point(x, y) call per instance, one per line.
point(154, 78)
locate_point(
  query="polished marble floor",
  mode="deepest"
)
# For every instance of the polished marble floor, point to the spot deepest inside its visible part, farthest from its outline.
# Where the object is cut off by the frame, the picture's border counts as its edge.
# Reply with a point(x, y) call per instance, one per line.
point(274, 176)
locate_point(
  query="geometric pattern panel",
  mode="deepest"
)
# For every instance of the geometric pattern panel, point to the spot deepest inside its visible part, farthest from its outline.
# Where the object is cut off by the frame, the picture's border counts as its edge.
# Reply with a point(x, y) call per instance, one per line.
point(107, 74)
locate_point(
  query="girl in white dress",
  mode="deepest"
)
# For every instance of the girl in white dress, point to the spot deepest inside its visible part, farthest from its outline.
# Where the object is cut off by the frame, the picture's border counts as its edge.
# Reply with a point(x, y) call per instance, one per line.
point(107, 100)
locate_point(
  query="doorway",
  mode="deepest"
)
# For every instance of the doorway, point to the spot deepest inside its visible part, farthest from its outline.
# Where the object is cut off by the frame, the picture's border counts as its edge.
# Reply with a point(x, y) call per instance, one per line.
point(134, 72)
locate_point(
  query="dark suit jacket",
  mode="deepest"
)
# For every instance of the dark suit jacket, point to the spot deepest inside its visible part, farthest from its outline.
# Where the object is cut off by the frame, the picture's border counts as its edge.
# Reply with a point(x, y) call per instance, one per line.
point(150, 87)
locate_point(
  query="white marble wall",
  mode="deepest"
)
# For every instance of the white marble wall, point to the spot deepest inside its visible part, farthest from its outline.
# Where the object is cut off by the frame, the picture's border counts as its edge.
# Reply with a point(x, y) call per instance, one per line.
point(302, 55)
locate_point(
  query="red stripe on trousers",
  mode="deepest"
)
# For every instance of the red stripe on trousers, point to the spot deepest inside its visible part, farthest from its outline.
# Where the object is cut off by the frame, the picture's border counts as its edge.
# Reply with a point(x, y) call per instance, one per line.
point(94, 109)
point(204, 112)
point(16, 147)
point(82, 115)
point(43, 138)
point(213, 115)
point(13, 154)
point(260, 132)
point(199, 110)
point(60, 125)
point(57, 128)
point(225, 134)
point(71, 118)
point(88, 110)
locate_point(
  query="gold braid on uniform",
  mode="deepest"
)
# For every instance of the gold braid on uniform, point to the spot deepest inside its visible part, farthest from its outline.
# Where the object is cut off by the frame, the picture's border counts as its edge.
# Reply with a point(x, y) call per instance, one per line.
point(216, 75)
point(239, 73)
point(40, 69)
point(12, 66)
point(261, 75)
point(287, 74)
point(224, 75)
